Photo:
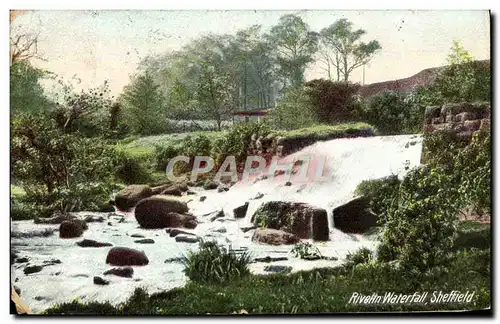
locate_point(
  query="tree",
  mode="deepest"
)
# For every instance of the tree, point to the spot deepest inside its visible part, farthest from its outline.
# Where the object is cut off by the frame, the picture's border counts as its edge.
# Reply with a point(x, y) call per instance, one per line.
point(59, 171)
point(347, 52)
point(294, 103)
point(295, 46)
point(216, 94)
point(333, 102)
point(26, 92)
point(23, 47)
point(143, 103)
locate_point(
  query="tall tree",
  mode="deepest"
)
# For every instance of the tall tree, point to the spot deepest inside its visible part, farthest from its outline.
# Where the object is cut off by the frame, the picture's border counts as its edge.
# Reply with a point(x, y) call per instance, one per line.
point(216, 95)
point(26, 92)
point(295, 47)
point(347, 51)
point(143, 102)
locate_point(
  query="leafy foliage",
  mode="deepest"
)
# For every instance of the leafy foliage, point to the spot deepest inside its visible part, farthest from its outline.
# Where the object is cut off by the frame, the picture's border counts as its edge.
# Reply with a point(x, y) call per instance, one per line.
point(363, 255)
point(88, 112)
point(394, 113)
point(294, 103)
point(63, 171)
point(26, 92)
point(382, 194)
point(130, 170)
point(467, 164)
point(421, 225)
point(214, 264)
point(295, 46)
point(343, 48)
point(237, 140)
point(144, 107)
point(333, 102)
point(461, 80)
point(305, 250)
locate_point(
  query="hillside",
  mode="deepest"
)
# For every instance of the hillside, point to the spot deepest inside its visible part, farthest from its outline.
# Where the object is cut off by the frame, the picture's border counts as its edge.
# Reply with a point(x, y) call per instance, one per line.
point(407, 84)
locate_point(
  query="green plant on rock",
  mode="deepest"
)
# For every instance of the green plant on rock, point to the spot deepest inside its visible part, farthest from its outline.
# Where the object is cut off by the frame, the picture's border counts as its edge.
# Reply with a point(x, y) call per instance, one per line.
point(474, 163)
point(306, 250)
point(214, 264)
point(237, 140)
point(381, 194)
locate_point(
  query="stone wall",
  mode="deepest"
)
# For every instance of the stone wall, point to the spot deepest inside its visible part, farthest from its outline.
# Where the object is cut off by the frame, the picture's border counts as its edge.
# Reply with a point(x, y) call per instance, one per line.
point(281, 146)
point(462, 119)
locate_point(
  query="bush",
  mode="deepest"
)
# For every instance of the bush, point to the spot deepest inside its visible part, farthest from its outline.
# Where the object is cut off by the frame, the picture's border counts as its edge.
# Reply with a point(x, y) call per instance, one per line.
point(467, 164)
point(461, 80)
point(333, 102)
point(64, 171)
point(213, 264)
point(306, 251)
point(163, 154)
point(474, 163)
point(421, 225)
point(381, 193)
point(294, 103)
point(237, 140)
point(363, 255)
point(196, 145)
point(130, 170)
point(394, 113)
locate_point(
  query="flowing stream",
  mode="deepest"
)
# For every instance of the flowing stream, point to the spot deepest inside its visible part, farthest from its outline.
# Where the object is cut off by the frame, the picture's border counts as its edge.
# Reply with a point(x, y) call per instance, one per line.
point(347, 162)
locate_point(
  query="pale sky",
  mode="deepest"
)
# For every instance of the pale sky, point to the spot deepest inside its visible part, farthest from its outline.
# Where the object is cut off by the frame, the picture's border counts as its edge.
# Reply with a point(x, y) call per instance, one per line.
point(89, 47)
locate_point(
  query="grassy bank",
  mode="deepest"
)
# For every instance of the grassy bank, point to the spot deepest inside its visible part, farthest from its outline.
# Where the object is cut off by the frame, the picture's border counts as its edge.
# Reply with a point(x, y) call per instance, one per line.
point(317, 291)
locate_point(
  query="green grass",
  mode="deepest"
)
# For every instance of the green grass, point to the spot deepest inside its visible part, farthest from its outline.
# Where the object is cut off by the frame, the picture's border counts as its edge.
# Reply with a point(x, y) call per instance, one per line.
point(145, 145)
point(318, 291)
point(325, 130)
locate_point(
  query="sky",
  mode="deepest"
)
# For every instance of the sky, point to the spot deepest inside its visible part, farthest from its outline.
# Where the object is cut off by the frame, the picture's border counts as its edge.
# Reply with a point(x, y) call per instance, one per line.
point(88, 47)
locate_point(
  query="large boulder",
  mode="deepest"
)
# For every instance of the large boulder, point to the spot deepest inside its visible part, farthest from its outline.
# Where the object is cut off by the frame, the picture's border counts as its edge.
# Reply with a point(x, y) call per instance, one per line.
point(122, 256)
point(274, 237)
point(162, 212)
point(131, 195)
point(354, 216)
point(301, 219)
point(71, 229)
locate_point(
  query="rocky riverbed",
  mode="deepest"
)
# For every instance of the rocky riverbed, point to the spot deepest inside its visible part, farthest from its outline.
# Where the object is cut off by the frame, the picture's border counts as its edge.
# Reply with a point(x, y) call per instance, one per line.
point(48, 269)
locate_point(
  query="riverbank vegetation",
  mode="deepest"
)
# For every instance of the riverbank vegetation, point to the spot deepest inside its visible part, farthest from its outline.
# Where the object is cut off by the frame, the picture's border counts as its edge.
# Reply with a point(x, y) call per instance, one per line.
point(71, 150)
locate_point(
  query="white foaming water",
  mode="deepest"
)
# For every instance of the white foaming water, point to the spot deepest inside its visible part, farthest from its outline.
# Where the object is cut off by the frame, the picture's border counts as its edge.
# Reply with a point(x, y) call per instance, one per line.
point(347, 161)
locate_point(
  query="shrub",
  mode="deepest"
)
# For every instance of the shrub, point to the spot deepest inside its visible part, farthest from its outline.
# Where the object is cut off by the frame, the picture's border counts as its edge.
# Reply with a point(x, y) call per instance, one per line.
point(306, 250)
point(294, 103)
point(363, 255)
point(381, 193)
point(214, 264)
point(333, 102)
point(461, 80)
point(130, 170)
point(60, 170)
point(196, 145)
point(421, 225)
point(163, 154)
point(474, 163)
point(394, 113)
point(237, 140)
point(467, 164)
